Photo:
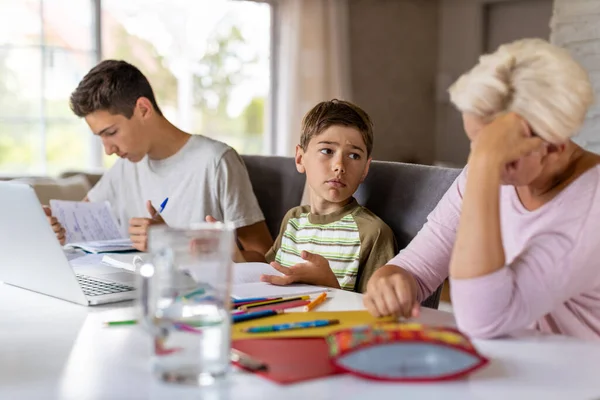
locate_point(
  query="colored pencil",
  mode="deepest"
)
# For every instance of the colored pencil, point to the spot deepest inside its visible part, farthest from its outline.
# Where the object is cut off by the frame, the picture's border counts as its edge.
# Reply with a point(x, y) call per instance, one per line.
point(254, 315)
point(244, 302)
point(121, 323)
point(294, 325)
point(321, 298)
point(279, 306)
point(282, 300)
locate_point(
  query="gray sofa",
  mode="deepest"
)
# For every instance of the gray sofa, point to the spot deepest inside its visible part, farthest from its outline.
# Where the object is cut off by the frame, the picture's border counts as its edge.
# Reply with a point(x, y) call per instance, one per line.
point(400, 194)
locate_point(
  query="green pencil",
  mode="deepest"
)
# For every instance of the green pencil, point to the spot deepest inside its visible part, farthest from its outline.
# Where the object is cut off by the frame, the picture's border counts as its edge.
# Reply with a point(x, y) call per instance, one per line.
point(119, 323)
point(197, 324)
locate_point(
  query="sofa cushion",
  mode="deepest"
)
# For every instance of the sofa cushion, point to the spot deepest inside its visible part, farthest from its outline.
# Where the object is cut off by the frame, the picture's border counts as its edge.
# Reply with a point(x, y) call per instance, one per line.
point(73, 188)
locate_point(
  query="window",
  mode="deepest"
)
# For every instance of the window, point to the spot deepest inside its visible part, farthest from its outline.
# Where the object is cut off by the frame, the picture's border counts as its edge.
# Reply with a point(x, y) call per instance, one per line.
point(207, 60)
point(45, 48)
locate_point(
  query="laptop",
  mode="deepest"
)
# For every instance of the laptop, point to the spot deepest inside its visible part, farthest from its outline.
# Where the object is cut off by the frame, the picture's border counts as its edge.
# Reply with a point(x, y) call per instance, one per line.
point(32, 258)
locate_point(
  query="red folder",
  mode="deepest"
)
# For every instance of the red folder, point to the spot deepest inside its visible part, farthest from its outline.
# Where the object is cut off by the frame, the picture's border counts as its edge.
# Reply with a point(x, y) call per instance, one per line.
point(290, 359)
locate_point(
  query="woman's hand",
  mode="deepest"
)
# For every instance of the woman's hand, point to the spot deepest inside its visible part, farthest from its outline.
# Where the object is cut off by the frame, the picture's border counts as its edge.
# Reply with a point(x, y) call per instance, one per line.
point(505, 140)
point(392, 291)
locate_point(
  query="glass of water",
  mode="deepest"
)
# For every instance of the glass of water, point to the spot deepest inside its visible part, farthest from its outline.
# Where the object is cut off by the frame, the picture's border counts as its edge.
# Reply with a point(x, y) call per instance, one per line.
point(184, 301)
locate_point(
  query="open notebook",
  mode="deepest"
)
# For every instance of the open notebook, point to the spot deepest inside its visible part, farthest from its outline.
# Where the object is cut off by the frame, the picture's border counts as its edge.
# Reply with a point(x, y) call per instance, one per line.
point(91, 227)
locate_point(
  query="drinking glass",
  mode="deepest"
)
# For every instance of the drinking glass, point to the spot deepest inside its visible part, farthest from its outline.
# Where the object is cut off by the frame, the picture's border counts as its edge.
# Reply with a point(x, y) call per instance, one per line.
point(184, 301)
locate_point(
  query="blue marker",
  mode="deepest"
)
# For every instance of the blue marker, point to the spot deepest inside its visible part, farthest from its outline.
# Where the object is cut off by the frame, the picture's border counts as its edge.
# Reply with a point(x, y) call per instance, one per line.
point(296, 325)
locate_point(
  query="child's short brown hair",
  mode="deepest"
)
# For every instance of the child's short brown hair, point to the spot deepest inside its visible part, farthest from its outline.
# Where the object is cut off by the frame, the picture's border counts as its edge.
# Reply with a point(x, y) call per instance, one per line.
point(336, 112)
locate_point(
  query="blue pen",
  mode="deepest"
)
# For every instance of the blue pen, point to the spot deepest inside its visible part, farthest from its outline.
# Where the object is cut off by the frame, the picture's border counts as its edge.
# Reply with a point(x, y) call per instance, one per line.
point(296, 325)
point(162, 208)
point(253, 315)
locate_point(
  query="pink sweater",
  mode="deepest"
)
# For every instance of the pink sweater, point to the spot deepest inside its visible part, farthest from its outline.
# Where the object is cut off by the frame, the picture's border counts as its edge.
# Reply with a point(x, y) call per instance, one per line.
point(551, 281)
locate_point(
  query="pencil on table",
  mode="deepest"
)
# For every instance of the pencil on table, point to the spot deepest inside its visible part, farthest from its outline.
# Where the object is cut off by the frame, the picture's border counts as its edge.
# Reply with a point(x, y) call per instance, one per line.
point(269, 302)
point(120, 323)
point(254, 315)
point(321, 298)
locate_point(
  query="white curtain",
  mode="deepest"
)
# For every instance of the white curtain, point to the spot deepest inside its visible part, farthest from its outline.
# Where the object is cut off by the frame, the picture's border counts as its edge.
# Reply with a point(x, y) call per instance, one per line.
point(312, 65)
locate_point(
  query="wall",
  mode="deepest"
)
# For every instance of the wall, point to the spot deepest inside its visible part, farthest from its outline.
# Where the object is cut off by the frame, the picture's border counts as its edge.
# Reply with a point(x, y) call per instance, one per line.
point(575, 26)
point(393, 56)
point(469, 28)
point(507, 21)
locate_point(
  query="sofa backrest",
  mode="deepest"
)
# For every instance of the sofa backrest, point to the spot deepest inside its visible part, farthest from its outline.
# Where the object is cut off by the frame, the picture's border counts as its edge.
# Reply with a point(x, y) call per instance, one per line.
point(73, 188)
point(403, 195)
point(400, 194)
point(277, 185)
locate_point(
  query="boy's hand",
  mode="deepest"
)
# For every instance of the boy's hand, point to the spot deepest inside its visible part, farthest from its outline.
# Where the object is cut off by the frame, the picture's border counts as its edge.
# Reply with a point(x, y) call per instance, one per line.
point(58, 229)
point(237, 255)
point(315, 271)
point(138, 227)
point(394, 294)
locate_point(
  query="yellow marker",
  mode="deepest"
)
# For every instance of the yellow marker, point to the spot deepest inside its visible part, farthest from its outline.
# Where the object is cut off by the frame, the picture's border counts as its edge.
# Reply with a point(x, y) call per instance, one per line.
point(269, 302)
point(321, 298)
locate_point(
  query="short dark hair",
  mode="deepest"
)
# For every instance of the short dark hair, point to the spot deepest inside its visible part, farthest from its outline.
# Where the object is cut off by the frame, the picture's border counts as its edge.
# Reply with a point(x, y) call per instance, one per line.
point(114, 86)
point(336, 112)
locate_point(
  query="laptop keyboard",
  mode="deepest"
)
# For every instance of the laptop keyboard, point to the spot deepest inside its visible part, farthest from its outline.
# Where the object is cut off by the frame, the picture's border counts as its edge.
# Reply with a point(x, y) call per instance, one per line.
point(95, 287)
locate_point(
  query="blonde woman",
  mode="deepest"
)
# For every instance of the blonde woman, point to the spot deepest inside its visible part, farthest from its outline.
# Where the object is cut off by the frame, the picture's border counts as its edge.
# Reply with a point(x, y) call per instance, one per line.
point(517, 233)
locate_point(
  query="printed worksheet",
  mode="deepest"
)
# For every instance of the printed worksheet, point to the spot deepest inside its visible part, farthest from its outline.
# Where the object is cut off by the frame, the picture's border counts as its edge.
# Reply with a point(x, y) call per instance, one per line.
point(86, 222)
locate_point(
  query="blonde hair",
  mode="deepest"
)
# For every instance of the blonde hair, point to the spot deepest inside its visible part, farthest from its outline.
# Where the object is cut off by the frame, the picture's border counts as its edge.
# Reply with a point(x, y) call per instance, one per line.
point(533, 78)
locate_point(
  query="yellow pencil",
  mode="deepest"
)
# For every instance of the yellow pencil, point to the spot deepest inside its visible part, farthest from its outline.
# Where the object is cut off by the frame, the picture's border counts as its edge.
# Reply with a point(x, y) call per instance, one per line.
point(269, 302)
point(321, 298)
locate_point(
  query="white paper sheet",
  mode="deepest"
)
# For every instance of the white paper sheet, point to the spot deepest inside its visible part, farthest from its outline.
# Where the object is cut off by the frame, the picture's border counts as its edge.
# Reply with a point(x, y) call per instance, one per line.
point(250, 272)
point(263, 289)
point(85, 222)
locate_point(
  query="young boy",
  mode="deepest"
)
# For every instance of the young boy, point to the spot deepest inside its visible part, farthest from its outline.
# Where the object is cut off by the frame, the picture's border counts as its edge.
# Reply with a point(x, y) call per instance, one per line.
point(333, 242)
point(199, 175)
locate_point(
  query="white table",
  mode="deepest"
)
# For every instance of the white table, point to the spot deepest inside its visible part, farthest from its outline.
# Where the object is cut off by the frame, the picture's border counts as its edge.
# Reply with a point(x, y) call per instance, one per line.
point(52, 349)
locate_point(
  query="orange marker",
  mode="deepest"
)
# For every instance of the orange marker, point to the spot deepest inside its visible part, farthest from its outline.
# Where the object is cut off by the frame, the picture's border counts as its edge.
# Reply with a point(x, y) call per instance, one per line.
point(321, 298)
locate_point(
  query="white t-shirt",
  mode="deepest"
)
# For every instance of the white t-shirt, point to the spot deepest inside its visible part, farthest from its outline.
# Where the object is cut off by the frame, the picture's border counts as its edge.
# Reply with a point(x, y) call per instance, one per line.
point(205, 177)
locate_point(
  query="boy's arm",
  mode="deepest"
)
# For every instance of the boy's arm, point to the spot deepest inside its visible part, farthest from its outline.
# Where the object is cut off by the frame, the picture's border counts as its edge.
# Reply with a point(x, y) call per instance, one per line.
point(257, 239)
point(239, 206)
point(378, 246)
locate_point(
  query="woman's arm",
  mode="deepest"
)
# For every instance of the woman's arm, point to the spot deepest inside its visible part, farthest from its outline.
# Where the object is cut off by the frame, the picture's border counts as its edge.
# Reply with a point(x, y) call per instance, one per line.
point(488, 298)
point(478, 249)
point(418, 270)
